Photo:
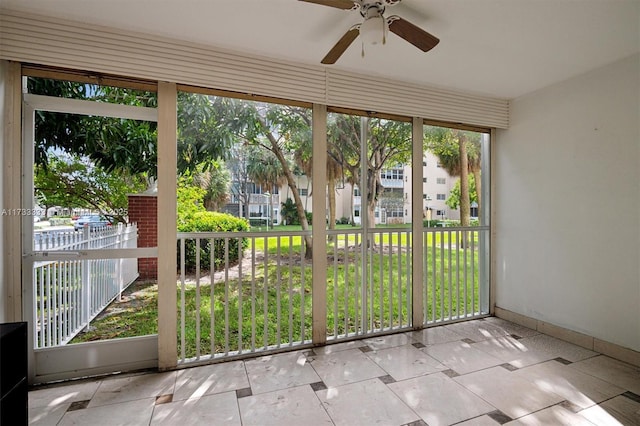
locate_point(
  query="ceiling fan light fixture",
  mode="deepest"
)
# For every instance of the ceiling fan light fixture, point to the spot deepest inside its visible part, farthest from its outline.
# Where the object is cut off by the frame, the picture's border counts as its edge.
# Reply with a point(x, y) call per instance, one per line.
point(374, 30)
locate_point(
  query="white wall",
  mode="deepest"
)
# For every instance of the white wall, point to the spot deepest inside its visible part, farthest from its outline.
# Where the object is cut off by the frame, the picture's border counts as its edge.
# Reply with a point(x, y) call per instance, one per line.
point(573, 152)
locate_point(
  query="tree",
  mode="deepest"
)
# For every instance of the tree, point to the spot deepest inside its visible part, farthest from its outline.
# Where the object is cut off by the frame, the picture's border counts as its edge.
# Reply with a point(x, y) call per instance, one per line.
point(388, 145)
point(459, 153)
point(265, 170)
point(275, 128)
point(113, 144)
point(241, 184)
point(215, 179)
point(303, 157)
point(75, 182)
point(289, 212)
point(454, 196)
point(201, 139)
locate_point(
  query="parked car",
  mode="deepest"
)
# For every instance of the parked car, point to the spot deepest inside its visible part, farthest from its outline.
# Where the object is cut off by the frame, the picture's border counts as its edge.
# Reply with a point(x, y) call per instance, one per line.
point(92, 221)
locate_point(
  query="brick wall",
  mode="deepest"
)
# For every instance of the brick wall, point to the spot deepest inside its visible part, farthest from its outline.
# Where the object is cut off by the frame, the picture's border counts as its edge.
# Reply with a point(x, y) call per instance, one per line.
point(143, 210)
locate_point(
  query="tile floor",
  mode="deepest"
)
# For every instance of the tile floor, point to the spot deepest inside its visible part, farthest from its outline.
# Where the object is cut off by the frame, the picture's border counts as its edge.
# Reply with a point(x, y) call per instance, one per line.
point(482, 372)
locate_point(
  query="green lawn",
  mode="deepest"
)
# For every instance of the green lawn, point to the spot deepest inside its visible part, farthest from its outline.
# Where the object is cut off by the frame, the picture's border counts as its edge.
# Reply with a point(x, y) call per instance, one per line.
point(280, 302)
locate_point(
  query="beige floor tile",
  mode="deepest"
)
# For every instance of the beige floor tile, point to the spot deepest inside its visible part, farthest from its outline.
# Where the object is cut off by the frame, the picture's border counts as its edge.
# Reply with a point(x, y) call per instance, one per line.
point(62, 394)
point(511, 328)
point(405, 362)
point(47, 415)
point(435, 335)
point(116, 390)
point(513, 351)
point(389, 341)
point(293, 406)
point(210, 379)
point(617, 411)
point(613, 371)
point(573, 385)
point(557, 347)
point(337, 347)
point(219, 409)
point(461, 357)
point(512, 395)
point(477, 330)
point(479, 421)
point(365, 403)
point(132, 413)
point(556, 416)
point(281, 371)
point(438, 400)
point(345, 367)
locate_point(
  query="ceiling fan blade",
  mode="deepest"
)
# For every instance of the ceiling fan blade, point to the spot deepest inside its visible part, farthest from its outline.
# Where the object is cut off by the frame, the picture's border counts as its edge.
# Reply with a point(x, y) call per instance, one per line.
point(414, 35)
point(342, 45)
point(338, 4)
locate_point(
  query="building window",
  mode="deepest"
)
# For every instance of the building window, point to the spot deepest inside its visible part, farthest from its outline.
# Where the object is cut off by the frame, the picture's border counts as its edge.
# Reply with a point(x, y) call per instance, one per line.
point(303, 192)
point(440, 212)
point(439, 165)
point(441, 197)
point(424, 164)
point(424, 180)
point(356, 192)
point(356, 213)
point(441, 181)
point(395, 174)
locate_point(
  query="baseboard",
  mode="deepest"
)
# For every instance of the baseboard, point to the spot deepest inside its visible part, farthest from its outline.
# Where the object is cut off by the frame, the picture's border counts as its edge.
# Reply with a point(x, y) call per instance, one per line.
point(589, 342)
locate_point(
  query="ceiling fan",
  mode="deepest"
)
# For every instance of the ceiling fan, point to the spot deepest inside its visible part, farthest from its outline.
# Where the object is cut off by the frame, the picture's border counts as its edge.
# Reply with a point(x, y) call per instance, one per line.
point(374, 28)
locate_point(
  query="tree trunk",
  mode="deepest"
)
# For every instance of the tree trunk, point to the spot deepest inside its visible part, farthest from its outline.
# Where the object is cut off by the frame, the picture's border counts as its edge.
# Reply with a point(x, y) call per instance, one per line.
point(464, 188)
point(372, 199)
point(478, 179)
point(331, 192)
point(291, 182)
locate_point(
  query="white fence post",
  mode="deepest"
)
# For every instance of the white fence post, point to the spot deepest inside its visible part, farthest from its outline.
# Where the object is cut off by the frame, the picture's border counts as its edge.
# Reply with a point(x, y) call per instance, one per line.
point(120, 242)
point(86, 281)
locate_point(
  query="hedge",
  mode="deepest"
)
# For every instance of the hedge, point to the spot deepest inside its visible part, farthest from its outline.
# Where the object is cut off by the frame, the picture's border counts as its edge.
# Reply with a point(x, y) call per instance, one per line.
point(206, 221)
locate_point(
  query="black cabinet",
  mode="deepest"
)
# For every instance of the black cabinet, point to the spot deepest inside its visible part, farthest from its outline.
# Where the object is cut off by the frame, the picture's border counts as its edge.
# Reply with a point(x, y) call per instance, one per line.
point(13, 374)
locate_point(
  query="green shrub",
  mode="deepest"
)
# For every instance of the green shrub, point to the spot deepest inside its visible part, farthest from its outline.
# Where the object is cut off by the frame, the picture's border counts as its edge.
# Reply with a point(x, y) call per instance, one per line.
point(205, 221)
point(430, 223)
point(309, 216)
point(343, 221)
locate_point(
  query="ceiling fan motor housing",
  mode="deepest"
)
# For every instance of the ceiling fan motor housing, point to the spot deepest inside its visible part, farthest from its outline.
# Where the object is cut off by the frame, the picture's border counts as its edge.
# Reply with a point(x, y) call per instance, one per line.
point(373, 29)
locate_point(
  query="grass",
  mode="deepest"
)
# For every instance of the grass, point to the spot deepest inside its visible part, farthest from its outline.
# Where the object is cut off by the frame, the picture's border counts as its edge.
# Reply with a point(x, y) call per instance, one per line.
point(280, 301)
point(136, 314)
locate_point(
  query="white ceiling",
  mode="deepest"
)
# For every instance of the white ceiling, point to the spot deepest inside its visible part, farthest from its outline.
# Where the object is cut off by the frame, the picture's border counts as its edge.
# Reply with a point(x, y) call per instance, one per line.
point(502, 48)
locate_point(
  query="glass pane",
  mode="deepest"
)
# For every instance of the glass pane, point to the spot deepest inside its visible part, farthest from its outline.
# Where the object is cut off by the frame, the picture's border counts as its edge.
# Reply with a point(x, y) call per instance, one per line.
point(93, 189)
point(453, 190)
point(455, 238)
point(245, 198)
point(368, 282)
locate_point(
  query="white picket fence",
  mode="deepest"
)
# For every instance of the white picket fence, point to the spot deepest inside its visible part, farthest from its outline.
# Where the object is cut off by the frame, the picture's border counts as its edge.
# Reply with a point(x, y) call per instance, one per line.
point(68, 294)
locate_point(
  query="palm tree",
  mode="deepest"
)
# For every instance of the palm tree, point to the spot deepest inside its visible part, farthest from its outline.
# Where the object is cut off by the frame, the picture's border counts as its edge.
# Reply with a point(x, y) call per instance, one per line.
point(264, 169)
point(459, 154)
point(334, 169)
point(214, 177)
